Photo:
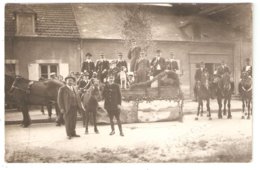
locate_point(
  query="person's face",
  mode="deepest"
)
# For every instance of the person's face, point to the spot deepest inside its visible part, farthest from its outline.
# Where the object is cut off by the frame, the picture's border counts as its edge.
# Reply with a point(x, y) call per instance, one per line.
point(120, 56)
point(88, 57)
point(133, 43)
point(142, 55)
point(158, 54)
point(70, 81)
point(102, 56)
point(111, 80)
point(85, 77)
point(172, 56)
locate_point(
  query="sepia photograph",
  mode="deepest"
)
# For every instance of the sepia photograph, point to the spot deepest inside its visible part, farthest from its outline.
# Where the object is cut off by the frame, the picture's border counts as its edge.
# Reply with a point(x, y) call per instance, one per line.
point(128, 82)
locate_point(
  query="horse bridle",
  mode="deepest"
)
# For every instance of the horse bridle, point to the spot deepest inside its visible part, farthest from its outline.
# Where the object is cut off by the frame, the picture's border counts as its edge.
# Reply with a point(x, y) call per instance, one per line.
point(18, 88)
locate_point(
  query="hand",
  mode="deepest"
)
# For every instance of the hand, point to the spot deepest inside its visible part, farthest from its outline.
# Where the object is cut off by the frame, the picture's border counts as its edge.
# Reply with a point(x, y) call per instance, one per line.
point(62, 111)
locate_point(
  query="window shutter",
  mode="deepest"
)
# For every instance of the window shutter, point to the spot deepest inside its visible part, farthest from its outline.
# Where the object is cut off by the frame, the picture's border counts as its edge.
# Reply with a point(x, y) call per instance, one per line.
point(33, 70)
point(64, 69)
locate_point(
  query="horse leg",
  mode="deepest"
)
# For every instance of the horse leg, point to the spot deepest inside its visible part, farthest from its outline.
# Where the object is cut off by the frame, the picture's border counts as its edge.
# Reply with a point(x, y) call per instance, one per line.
point(219, 108)
point(198, 111)
point(42, 109)
point(95, 121)
point(201, 110)
point(225, 111)
point(243, 108)
point(248, 109)
point(208, 109)
point(229, 111)
point(49, 109)
point(26, 117)
point(87, 120)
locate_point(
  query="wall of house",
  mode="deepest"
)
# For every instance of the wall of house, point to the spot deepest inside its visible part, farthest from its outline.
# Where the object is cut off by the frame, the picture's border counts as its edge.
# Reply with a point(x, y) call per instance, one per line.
point(42, 50)
point(187, 52)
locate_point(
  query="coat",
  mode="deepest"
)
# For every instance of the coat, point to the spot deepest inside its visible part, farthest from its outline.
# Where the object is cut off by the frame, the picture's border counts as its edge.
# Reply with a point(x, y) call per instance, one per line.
point(250, 70)
point(120, 63)
point(102, 65)
point(142, 68)
point(172, 65)
point(221, 70)
point(156, 64)
point(112, 96)
point(198, 74)
point(88, 66)
point(64, 99)
point(133, 55)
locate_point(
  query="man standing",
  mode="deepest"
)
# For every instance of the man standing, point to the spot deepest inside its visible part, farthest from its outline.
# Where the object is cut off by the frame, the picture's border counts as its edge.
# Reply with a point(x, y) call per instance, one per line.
point(88, 65)
point(198, 76)
point(158, 63)
point(112, 97)
point(102, 67)
point(69, 104)
point(133, 55)
point(120, 62)
point(172, 64)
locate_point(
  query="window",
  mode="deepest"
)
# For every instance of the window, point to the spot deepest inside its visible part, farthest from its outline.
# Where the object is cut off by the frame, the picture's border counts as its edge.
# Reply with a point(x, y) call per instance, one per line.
point(46, 69)
point(10, 69)
point(25, 24)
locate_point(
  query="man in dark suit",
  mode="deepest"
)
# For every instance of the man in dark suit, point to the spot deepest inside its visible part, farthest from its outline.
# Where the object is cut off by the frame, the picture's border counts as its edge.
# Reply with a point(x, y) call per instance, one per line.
point(69, 104)
point(112, 97)
point(88, 65)
point(120, 62)
point(223, 68)
point(172, 64)
point(158, 63)
point(248, 68)
point(197, 77)
point(133, 55)
point(102, 67)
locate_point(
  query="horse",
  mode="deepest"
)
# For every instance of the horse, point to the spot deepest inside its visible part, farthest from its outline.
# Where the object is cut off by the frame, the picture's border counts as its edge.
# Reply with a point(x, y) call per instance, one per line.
point(27, 92)
point(9, 100)
point(245, 90)
point(223, 90)
point(90, 100)
point(203, 93)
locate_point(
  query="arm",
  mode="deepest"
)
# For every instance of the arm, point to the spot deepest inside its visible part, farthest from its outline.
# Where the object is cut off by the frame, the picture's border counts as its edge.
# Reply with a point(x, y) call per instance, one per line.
point(60, 100)
point(129, 54)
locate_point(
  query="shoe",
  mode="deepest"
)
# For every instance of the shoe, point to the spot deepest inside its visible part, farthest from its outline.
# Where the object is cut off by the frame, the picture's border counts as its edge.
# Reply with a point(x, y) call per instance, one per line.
point(121, 134)
point(75, 135)
point(69, 137)
point(112, 133)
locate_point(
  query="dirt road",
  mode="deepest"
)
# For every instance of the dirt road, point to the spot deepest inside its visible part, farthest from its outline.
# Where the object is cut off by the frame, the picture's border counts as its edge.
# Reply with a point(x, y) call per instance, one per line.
point(191, 141)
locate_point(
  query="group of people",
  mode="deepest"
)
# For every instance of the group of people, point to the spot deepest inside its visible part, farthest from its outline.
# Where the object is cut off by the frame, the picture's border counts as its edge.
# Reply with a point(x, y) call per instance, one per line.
point(69, 102)
point(222, 69)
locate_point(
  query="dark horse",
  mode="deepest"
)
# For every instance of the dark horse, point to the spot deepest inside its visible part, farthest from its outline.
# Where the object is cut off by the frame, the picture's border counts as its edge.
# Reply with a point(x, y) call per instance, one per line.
point(9, 100)
point(90, 100)
point(27, 92)
point(203, 93)
point(245, 90)
point(223, 90)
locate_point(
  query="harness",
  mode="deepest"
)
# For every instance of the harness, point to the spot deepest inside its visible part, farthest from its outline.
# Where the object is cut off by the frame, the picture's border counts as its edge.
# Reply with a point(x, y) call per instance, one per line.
point(27, 91)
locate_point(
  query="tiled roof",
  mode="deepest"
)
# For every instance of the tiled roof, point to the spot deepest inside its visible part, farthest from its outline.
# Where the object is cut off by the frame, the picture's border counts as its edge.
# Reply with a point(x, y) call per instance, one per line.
point(53, 20)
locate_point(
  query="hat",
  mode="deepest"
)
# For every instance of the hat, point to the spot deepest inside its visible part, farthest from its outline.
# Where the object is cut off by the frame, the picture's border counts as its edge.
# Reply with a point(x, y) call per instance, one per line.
point(88, 54)
point(52, 74)
point(70, 77)
point(101, 54)
point(77, 73)
point(120, 54)
point(158, 51)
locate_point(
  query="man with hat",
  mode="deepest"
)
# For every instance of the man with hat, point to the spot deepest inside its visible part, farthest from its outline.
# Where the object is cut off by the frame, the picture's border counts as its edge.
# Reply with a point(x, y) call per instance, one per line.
point(120, 62)
point(112, 104)
point(172, 64)
point(248, 68)
point(69, 104)
point(53, 76)
point(88, 65)
point(198, 76)
point(102, 67)
point(158, 63)
point(222, 69)
point(133, 55)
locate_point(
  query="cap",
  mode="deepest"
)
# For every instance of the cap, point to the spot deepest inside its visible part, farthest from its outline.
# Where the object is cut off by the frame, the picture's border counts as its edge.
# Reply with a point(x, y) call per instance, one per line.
point(70, 77)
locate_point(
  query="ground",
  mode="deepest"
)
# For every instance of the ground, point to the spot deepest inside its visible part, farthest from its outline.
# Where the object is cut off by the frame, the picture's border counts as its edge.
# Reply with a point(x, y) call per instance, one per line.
point(204, 140)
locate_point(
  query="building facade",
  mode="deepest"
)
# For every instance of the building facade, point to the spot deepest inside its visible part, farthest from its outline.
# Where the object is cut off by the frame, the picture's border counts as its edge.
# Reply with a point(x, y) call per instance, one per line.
point(45, 38)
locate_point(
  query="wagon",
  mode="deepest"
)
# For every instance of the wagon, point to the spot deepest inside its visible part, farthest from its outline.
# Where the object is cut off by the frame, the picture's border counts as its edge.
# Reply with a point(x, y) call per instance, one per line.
point(145, 92)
